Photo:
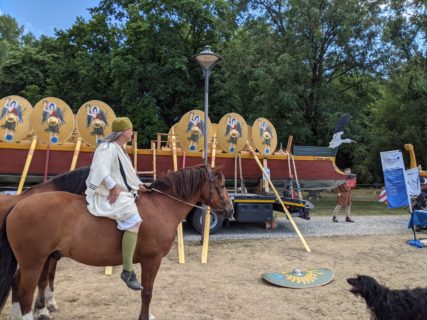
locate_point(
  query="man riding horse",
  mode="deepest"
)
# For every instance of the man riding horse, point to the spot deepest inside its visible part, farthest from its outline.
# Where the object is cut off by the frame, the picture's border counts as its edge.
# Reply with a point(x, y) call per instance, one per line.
point(112, 187)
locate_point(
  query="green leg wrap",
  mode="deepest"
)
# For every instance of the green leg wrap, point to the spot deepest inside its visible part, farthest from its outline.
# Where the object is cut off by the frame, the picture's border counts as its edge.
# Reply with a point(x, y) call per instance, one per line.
point(128, 248)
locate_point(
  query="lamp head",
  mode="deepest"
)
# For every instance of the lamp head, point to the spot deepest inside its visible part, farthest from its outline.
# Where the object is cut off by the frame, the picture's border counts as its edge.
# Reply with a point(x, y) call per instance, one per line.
point(207, 58)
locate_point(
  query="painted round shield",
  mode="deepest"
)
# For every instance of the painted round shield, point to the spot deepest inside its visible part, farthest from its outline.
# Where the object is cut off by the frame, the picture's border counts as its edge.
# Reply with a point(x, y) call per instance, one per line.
point(52, 120)
point(190, 131)
point(232, 132)
point(264, 136)
point(299, 279)
point(94, 120)
point(15, 114)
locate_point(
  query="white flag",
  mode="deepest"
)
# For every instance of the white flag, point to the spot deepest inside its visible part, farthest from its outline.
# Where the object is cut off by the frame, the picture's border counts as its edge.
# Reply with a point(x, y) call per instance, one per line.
point(412, 179)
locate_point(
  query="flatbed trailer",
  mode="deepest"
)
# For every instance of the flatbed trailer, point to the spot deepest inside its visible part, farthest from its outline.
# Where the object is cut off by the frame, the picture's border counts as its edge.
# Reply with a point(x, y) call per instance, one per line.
point(252, 208)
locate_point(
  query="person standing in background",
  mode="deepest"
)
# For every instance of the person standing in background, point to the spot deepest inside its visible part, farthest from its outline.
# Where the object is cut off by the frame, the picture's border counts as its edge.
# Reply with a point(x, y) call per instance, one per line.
point(343, 199)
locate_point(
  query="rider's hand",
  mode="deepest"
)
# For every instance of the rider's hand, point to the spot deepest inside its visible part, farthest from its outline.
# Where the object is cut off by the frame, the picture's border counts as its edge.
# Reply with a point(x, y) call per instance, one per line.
point(114, 194)
point(142, 188)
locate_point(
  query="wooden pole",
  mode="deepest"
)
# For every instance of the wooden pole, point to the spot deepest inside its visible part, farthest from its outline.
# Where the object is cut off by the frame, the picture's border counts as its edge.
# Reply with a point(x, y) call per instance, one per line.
point(159, 142)
point(135, 150)
point(265, 177)
point(46, 163)
point(27, 165)
point(289, 146)
point(153, 148)
point(76, 153)
point(207, 226)
point(235, 173)
point(279, 198)
point(213, 154)
point(180, 232)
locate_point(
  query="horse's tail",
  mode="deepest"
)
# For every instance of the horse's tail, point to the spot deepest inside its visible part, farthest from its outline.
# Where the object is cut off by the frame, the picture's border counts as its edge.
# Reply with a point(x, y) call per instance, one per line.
point(8, 264)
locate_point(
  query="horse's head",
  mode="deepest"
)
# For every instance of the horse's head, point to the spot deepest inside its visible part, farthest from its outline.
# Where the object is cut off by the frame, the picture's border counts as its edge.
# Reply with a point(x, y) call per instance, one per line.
point(214, 193)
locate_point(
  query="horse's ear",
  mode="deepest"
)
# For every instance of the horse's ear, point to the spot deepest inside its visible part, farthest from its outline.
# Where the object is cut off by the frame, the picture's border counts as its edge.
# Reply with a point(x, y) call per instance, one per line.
point(217, 170)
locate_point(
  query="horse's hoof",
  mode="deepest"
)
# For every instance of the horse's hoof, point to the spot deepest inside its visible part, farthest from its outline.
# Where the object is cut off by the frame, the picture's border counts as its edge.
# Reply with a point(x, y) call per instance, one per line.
point(51, 305)
point(42, 314)
point(151, 317)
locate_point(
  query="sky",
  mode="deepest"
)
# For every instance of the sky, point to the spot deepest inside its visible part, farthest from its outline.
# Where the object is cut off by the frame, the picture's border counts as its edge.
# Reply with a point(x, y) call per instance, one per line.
point(41, 17)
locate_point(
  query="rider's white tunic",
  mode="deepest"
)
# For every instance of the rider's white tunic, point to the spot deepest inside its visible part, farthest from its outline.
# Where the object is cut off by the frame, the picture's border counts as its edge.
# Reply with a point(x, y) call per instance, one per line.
point(106, 163)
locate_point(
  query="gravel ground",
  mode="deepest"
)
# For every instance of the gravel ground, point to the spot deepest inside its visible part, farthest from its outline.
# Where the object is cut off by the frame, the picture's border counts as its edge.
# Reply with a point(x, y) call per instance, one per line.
point(316, 227)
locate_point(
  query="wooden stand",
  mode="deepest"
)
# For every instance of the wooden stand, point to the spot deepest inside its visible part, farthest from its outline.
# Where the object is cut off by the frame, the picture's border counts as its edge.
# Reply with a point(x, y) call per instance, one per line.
point(279, 198)
point(76, 154)
point(207, 223)
point(27, 165)
point(180, 232)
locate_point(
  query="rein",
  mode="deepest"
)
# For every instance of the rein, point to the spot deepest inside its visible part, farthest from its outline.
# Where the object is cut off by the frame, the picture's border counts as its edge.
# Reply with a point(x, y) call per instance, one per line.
point(211, 180)
point(177, 199)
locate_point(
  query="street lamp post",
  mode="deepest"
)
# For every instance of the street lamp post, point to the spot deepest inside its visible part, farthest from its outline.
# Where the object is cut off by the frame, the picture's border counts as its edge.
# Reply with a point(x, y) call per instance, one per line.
point(207, 60)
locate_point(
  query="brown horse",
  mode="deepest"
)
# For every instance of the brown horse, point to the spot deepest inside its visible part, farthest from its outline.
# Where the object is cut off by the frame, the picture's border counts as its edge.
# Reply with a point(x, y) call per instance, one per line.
point(58, 224)
point(73, 182)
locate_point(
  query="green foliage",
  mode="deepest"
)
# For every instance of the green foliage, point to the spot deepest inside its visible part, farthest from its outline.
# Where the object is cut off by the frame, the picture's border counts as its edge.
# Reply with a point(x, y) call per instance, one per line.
point(300, 63)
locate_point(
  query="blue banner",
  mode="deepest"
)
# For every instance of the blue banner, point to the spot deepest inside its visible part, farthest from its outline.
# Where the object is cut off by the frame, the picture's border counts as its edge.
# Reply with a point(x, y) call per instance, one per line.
point(395, 179)
point(396, 188)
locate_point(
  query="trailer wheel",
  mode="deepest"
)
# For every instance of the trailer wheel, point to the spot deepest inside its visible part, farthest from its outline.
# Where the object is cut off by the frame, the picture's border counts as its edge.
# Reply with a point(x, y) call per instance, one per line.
point(196, 221)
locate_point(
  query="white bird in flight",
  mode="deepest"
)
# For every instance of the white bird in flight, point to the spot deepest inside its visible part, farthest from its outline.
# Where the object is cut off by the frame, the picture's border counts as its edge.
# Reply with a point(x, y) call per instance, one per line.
point(339, 131)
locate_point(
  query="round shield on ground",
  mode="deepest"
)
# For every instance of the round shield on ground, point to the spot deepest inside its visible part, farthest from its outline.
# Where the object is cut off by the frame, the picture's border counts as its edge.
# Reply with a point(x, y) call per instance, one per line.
point(52, 120)
point(299, 279)
point(232, 132)
point(94, 120)
point(190, 130)
point(264, 136)
point(15, 114)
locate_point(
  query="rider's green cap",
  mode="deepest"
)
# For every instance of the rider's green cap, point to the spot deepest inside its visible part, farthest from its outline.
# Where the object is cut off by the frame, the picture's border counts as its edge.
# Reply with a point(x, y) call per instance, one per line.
point(121, 124)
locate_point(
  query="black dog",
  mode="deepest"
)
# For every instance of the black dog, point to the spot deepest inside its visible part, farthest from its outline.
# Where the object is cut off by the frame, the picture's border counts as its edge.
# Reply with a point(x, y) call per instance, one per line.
point(386, 304)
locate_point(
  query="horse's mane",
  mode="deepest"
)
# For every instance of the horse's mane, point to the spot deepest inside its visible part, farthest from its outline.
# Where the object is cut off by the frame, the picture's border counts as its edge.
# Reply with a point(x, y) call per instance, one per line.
point(183, 183)
point(73, 181)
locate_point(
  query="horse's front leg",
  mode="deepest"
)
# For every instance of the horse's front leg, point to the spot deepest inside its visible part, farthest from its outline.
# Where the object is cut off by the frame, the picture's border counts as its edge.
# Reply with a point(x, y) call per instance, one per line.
point(149, 269)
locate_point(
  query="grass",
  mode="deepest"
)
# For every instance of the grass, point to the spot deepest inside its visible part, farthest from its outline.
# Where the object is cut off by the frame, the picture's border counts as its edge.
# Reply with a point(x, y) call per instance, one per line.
point(364, 203)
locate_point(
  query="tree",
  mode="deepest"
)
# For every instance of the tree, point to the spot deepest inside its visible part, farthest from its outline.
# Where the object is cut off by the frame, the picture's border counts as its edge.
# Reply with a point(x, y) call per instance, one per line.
point(330, 39)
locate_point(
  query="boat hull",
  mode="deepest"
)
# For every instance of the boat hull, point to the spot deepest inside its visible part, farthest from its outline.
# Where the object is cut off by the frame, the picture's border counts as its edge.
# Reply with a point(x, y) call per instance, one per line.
point(313, 173)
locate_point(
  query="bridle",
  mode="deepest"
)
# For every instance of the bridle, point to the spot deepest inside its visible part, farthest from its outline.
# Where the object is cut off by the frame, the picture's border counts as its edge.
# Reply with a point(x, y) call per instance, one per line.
point(211, 180)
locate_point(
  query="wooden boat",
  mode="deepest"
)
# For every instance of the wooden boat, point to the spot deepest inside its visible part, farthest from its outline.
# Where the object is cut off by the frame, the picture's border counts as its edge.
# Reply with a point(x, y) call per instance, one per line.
point(315, 166)
point(53, 123)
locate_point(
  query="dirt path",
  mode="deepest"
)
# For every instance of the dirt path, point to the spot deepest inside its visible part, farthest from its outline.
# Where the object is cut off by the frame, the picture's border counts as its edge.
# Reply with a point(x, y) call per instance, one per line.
point(230, 287)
